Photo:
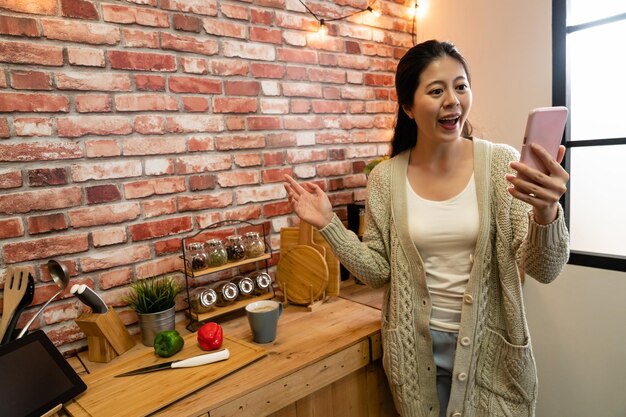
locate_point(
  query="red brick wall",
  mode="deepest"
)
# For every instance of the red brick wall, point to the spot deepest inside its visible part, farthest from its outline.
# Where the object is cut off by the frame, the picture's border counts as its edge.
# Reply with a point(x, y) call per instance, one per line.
point(126, 125)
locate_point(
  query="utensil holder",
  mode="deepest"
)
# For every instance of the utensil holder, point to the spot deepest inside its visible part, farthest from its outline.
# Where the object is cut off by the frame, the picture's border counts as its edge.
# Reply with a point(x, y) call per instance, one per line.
point(107, 336)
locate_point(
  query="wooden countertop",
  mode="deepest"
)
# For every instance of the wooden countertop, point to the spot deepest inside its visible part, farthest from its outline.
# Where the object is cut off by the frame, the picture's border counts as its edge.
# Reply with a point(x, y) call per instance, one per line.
point(305, 340)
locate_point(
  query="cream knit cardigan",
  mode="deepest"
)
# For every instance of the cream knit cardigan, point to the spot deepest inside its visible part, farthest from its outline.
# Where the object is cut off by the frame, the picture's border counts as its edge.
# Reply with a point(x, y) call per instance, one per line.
point(494, 368)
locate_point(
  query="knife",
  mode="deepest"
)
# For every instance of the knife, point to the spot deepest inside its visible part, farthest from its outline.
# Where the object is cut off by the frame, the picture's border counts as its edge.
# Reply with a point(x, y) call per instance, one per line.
point(207, 358)
point(91, 299)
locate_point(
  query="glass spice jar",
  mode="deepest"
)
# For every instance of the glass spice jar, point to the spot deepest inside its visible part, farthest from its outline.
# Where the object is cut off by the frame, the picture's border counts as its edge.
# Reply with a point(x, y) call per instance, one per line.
point(262, 283)
point(245, 285)
point(217, 254)
point(202, 299)
point(255, 246)
point(235, 248)
point(197, 255)
point(227, 292)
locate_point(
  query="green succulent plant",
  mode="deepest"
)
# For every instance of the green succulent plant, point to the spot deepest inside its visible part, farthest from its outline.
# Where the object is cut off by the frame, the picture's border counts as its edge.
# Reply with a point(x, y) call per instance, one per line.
point(152, 295)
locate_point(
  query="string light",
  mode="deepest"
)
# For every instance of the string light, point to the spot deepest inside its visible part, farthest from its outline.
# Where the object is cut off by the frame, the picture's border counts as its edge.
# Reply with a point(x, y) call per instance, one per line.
point(375, 12)
point(323, 29)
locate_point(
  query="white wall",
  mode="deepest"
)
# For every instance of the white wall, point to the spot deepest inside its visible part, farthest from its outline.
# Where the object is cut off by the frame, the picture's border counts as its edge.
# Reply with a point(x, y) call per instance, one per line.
point(577, 322)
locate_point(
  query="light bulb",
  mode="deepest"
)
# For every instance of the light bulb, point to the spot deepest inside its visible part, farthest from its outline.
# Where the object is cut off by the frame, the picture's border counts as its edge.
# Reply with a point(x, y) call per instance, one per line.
point(323, 30)
point(375, 12)
point(413, 10)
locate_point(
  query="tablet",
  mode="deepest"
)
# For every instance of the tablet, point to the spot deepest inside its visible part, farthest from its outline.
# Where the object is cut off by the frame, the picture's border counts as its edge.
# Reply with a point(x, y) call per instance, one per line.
point(34, 377)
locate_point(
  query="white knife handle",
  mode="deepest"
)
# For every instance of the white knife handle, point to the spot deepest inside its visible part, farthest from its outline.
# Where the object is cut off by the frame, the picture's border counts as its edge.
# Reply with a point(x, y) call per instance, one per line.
point(203, 359)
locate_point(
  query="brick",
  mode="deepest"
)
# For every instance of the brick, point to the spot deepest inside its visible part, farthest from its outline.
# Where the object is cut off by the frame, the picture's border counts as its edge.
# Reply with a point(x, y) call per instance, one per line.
point(194, 123)
point(276, 209)
point(334, 169)
point(19, 26)
point(302, 90)
point(303, 122)
point(46, 223)
point(159, 166)
point(183, 84)
point(353, 62)
point(235, 49)
point(203, 7)
point(296, 55)
point(195, 104)
point(137, 38)
point(167, 246)
point(149, 124)
point(234, 123)
point(234, 12)
point(47, 177)
point(76, 31)
point(77, 126)
point(87, 57)
point(101, 148)
point(45, 7)
point(234, 105)
point(150, 82)
point(300, 106)
point(32, 126)
point(305, 138)
point(145, 102)
point(27, 53)
point(273, 158)
point(103, 194)
point(357, 93)
point(274, 106)
point(224, 28)
point(187, 43)
point(47, 247)
point(380, 80)
point(199, 143)
point(297, 73)
point(294, 38)
point(300, 156)
point(160, 266)
point(100, 81)
point(332, 138)
point(261, 34)
point(141, 61)
point(104, 214)
point(115, 278)
point(280, 140)
point(193, 65)
point(109, 236)
point(93, 103)
point(159, 207)
point(5, 131)
point(80, 9)
point(320, 106)
point(160, 228)
point(202, 182)
point(260, 70)
point(186, 23)
point(33, 102)
point(242, 88)
point(261, 193)
point(264, 123)
point(328, 75)
point(153, 145)
point(11, 227)
point(114, 258)
point(106, 170)
point(129, 15)
point(40, 151)
point(249, 212)
point(10, 178)
point(207, 219)
point(227, 67)
point(357, 122)
point(194, 164)
point(237, 178)
point(232, 142)
point(247, 160)
point(332, 93)
point(159, 186)
point(275, 175)
point(205, 201)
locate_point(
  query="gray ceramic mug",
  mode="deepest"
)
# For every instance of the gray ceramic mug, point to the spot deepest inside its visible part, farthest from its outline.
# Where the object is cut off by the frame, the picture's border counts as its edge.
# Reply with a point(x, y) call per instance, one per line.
point(263, 318)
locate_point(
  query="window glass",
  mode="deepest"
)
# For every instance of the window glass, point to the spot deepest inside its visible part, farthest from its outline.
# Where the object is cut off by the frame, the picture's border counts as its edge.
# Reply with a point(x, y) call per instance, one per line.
point(597, 200)
point(596, 62)
point(582, 11)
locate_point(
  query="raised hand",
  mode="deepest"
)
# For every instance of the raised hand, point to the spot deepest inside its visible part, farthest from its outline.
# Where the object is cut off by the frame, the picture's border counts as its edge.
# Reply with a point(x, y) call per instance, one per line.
point(542, 191)
point(309, 202)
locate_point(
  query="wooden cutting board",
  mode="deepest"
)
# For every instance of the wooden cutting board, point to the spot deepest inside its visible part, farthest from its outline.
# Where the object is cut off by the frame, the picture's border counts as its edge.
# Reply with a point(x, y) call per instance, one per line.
point(289, 239)
point(141, 395)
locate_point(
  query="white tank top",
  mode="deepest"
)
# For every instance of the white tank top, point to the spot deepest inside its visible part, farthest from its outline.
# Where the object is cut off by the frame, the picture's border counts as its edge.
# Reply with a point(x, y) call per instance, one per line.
point(445, 234)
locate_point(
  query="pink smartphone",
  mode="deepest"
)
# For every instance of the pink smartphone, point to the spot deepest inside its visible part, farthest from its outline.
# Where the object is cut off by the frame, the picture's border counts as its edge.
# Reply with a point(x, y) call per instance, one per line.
point(545, 126)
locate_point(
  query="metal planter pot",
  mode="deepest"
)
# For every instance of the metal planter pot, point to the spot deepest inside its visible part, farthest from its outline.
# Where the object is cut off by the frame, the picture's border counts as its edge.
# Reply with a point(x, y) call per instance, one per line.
point(154, 323)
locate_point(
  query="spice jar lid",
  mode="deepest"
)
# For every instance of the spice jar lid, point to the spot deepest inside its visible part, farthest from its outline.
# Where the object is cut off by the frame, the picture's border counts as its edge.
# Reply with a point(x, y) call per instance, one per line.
point(246, 285)
point(214, 242)
point(195, 246)
point(230, 291)
point(252, 235)
point(233, 238)
point(263, 280)
point(207, 297)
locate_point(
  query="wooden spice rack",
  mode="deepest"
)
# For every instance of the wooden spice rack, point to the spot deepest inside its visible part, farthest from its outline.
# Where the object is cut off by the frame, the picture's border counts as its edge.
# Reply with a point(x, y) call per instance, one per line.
point(196, 319)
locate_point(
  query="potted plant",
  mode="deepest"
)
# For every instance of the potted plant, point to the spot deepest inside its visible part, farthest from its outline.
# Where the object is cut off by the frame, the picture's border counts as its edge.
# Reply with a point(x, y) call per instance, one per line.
point(154, 301)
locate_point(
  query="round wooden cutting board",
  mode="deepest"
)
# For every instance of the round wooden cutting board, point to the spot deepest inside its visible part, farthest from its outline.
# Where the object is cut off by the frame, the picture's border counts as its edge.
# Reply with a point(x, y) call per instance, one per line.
point(303, 269)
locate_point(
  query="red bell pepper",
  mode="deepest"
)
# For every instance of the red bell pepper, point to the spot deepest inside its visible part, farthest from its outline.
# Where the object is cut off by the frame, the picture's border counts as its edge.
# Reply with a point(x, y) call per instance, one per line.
point(210, 336)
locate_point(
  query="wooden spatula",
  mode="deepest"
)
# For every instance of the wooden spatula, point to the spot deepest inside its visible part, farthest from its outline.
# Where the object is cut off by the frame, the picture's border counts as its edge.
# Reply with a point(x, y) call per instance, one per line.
point(15, 285)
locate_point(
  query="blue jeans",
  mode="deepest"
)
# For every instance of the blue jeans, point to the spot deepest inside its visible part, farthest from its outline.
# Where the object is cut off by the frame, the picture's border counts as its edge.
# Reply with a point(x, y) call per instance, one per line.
point(444, 348)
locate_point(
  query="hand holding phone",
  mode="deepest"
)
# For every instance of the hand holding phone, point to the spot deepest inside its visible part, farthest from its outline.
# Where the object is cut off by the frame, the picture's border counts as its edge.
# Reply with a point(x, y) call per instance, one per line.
point(545, 126)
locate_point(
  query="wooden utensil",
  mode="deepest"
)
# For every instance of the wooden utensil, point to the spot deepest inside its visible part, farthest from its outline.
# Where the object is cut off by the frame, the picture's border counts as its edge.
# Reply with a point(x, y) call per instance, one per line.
point(15, 285)
point(26, 300)
point(289, 237)
point(303, 270)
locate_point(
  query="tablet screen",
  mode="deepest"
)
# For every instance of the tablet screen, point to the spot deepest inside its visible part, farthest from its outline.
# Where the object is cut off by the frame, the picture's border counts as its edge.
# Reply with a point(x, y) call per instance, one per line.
point(35, 377)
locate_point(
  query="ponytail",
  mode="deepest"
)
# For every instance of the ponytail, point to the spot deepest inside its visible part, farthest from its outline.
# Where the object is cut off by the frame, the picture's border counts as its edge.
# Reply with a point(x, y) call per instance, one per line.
point(404, 134)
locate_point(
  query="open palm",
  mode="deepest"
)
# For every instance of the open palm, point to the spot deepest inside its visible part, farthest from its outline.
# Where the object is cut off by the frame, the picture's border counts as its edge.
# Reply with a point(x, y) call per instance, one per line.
point(309, 202)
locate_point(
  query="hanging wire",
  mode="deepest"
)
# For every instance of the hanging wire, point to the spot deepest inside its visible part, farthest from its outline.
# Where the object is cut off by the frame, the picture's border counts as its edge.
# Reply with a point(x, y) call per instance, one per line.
point(327, 19)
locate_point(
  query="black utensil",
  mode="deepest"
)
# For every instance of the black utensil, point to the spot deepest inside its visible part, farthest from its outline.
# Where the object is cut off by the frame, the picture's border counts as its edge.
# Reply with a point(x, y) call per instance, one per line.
point(25, 302)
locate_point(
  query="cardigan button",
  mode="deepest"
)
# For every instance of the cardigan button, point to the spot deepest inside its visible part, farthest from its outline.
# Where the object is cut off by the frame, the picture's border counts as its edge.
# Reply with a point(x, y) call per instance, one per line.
point(457, 414)
point(462, 376)
point(468, 298)
point(465, 341)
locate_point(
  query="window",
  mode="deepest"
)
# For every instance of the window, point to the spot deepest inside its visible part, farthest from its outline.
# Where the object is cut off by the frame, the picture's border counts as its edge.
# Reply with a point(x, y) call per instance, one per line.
point(589, 63)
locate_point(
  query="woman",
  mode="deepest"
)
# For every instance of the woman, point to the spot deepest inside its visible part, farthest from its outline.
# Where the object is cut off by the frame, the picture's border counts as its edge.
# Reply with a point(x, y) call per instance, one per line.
point(449, 231)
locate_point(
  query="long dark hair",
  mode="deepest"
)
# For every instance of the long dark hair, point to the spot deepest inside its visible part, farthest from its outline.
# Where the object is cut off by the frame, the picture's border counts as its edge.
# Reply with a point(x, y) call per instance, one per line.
point(408, 73)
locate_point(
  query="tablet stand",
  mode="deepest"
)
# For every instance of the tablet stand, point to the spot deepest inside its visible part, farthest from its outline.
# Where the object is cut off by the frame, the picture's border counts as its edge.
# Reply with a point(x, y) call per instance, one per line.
point(107, 336)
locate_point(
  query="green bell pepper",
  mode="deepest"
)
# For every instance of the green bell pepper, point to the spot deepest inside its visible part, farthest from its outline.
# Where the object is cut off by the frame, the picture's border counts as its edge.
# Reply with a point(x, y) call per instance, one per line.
point(167, 343)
